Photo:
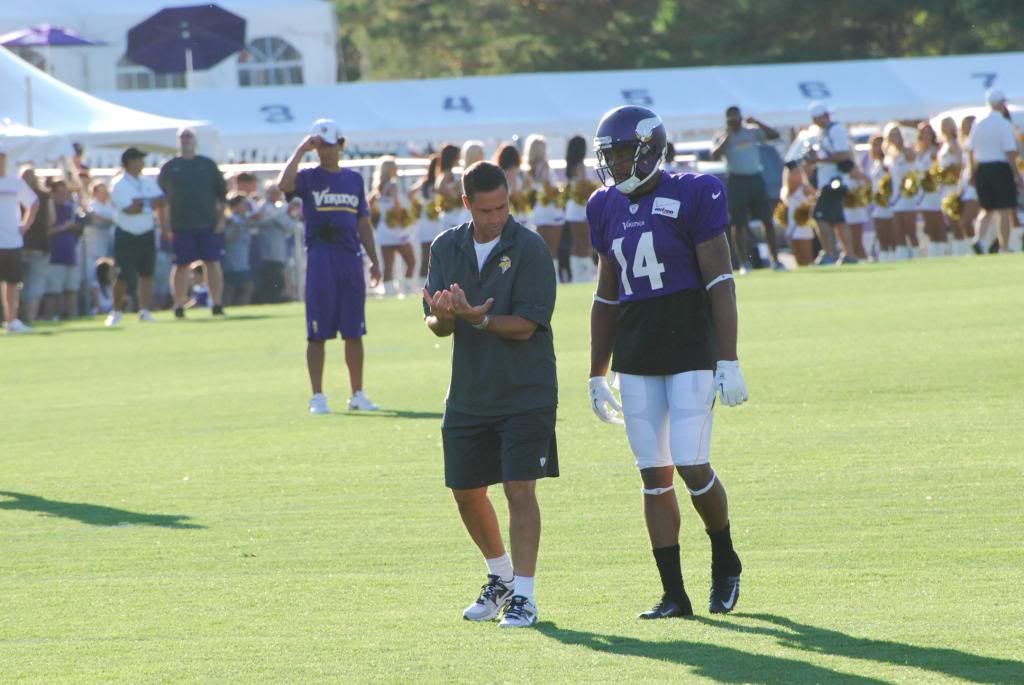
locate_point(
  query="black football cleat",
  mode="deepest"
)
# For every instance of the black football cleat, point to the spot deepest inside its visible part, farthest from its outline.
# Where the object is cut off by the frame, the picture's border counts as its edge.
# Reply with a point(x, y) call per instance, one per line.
point(669, 608)
point(179, 312)
point(725, 592)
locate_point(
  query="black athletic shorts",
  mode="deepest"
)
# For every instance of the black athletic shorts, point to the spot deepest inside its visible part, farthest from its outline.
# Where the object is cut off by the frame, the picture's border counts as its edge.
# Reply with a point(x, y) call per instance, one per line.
point(996, 186)
point(135, 255)
point(10, 265)
point(748, 199)
point(829, 207)
point(485, 450)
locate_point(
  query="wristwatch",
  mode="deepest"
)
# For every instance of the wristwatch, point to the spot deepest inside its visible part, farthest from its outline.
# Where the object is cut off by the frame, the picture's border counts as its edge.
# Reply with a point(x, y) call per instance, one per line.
point(483, 324)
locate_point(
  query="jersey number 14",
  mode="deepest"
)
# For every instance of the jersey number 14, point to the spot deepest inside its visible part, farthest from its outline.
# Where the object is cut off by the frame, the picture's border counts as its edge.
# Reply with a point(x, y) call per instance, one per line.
point(645, 262)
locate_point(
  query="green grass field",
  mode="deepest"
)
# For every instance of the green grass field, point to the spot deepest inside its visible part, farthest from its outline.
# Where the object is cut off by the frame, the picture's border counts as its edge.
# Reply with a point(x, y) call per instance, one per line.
point(169, 513)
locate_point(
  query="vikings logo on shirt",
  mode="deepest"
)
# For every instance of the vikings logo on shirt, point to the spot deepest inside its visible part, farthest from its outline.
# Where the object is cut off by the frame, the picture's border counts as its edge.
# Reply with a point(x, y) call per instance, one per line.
point(505, 263)
point(326, 201)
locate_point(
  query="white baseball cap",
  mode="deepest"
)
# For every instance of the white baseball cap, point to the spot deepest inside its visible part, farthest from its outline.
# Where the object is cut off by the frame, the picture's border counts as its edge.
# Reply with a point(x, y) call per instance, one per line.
point(328, 131)
point(818, 109)
point(994, 97)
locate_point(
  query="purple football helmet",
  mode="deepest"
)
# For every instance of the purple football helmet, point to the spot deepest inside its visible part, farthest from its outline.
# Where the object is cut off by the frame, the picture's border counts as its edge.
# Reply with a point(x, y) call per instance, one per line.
point(632, 132)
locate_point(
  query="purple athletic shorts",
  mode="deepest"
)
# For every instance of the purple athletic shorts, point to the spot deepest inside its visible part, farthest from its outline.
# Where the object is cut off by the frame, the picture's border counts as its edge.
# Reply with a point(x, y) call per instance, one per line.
point(335, 294)
point(201, 244)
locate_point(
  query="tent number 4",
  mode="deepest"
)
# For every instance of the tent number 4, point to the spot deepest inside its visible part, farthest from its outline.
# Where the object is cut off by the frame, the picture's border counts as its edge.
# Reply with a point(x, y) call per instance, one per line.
point(645, 262)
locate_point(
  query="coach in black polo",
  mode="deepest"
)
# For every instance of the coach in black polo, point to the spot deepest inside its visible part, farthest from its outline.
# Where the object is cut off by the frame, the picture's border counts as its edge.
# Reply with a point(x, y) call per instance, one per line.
point(499, 420)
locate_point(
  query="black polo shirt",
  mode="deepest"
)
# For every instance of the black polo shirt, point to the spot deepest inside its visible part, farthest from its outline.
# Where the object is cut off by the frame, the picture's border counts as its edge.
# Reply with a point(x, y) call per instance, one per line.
point(493, 376)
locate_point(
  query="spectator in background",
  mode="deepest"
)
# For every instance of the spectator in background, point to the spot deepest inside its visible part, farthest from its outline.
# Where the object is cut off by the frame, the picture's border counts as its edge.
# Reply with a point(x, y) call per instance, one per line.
point(198, 292)
point(833, 159)
point(394, 227)
point(740, 145)
point(273, 229)
point(237, 234)
point(64, 277)
point(36, 254)
point(18, 207)
point(104, 275)
point(195, 191)
point(136, 199)
point(994, 172)
point(99, 236)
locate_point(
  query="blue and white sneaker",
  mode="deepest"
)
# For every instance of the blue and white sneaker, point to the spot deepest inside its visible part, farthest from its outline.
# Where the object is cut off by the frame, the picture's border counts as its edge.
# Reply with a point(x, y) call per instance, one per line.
point(521, 613)
point(318, 404)
point(494, 595)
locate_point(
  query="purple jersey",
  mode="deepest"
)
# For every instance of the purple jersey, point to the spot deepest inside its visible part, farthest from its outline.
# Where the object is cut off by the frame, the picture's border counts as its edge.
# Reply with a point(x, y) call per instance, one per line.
point(332, 204)
point(63, 244)
point(652, 240)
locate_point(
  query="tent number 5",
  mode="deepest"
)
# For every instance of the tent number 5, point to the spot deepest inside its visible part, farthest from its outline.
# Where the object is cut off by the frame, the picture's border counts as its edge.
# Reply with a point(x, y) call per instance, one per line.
point(645, 262)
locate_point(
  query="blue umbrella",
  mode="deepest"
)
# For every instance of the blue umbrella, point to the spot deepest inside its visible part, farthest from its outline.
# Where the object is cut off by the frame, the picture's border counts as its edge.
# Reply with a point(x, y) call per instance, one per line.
point(45, 35)
point(180, 39)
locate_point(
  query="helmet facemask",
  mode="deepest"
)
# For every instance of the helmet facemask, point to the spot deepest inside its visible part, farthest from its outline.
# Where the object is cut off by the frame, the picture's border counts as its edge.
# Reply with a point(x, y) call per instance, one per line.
point(627, 166)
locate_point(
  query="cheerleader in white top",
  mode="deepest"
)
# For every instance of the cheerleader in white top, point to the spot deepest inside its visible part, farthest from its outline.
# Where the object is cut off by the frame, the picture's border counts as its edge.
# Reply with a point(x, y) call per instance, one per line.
point(448, 189)
point(395, 226)
point(581, 182)
point(881, 200)
point(855, 209)
point(950, 163)
point(906, 187)
point(547, 214)
point(422, 200)
point(929, 202)
point(511, 162)
point(969, 207)
point(795, 213)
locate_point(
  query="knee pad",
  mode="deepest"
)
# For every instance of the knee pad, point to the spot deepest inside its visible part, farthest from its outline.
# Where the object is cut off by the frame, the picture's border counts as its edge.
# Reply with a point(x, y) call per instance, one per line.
point(657, 491)
point(707, 488)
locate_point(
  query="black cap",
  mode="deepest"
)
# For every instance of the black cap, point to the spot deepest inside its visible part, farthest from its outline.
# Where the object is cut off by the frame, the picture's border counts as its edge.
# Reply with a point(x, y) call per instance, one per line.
point(130, 154)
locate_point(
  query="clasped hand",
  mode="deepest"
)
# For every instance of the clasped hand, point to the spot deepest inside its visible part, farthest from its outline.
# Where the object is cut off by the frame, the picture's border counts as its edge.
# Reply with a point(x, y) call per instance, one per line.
point(448, 304)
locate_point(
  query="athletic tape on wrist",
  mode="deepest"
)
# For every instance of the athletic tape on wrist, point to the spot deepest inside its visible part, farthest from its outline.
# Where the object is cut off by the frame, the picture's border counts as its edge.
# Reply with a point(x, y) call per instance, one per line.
point(657, 491)
point(704, 490)
point(598, 298)
point(715, 281)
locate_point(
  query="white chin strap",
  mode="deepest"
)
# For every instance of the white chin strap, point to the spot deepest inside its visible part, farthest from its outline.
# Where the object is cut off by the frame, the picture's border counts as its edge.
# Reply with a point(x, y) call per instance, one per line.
point(632, 183)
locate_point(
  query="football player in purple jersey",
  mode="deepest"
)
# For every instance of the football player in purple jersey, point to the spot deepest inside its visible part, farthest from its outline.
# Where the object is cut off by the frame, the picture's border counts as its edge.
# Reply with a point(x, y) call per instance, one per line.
point(338, 234)
point(664, 319)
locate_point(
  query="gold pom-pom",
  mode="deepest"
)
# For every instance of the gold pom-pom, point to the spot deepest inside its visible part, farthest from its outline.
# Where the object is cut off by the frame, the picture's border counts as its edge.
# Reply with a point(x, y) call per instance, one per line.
point(931, 179)
point(802, 214)
point(884, 193)
point(952, 205)
point(431, 210)
point(781, 214)
point(950, 174)
point(911, 185)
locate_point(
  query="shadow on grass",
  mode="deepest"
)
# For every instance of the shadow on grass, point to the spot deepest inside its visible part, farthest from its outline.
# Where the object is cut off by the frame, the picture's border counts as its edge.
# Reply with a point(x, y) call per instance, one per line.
point(722, 664)
point(93, 514)
point(394, 414)
point(221, 319)
point(948, 662)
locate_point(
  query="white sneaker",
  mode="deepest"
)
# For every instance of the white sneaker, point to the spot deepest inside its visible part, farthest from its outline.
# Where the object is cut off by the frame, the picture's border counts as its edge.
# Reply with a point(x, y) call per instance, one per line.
point(318, 404)
point(113, 319)
point(360, 402)
point(493, 598)
point(146, 315)
point(17, 326)
point(521, 613)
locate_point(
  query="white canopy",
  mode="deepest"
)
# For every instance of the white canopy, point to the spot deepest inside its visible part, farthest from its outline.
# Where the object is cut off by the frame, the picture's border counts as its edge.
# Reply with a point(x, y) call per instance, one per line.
point(270, 121)
point(26, 144)
point(39, 100)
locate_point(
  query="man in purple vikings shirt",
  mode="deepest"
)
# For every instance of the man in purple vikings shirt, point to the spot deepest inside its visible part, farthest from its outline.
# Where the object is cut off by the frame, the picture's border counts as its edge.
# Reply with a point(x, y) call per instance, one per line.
point(338, 234)
point(664, 314)
point(63, 278)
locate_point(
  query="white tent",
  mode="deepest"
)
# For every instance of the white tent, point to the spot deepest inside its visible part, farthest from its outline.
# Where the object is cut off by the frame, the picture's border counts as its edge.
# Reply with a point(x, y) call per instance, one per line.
point(269, 121)
point(26, 144)
point(41, 101)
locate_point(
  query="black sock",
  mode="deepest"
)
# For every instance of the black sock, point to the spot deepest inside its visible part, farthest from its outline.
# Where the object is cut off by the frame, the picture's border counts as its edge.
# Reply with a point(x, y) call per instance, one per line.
point(724, 560)
point(667, 559)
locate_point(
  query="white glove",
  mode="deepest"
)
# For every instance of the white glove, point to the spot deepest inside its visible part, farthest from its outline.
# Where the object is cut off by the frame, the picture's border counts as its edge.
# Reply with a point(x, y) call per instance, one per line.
point(603, 401)
point(729, 384)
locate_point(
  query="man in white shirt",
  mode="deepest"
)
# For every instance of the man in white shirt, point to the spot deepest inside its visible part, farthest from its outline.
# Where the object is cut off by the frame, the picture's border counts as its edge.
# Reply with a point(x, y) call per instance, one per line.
point(992, 146)
point(18, 207)
point(833, 160)
point(135, 197)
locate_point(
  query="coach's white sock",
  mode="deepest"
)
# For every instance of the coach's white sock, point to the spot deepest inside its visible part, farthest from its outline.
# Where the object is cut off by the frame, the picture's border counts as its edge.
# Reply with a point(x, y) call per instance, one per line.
point(524, 587)
point(501, 567)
